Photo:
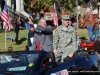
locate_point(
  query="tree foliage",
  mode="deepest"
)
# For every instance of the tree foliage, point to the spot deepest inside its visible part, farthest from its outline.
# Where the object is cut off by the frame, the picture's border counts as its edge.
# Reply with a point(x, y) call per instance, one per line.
point(71, 4)
point(27, 5)
point(61, 4)
point(43, 4)
point(39, 4)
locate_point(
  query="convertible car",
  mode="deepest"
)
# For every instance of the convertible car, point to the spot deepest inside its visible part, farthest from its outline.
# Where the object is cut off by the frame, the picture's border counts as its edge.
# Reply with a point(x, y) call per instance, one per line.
point(37, 63)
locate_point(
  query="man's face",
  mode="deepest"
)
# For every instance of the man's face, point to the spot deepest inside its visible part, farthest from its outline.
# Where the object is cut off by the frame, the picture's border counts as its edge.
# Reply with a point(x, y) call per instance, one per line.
point(43, 23)
point(65, 22)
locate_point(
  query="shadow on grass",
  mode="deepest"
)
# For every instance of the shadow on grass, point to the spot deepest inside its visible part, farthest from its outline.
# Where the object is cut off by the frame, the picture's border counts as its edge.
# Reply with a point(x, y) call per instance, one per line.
point(83, 38)
point(22, 40)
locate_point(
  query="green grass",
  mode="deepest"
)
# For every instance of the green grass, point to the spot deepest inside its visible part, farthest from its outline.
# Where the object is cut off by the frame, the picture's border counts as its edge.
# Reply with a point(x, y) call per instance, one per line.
point(83, 33)
point(22, 35)
point(20, 46)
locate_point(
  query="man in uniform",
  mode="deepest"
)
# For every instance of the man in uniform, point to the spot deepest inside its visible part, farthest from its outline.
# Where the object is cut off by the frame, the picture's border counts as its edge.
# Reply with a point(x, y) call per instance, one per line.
point(64, 41)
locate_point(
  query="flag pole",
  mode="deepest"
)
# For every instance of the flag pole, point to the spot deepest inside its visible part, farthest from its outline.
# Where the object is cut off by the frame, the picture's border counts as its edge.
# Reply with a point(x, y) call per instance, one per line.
point(5, 33)
point(5, 18)
point(77, 13)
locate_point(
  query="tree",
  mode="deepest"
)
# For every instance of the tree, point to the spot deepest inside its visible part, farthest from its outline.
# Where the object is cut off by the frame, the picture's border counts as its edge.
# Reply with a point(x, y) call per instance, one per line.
point(27, 4)
point(38, 4)
point(70, 5)
point(44, 4)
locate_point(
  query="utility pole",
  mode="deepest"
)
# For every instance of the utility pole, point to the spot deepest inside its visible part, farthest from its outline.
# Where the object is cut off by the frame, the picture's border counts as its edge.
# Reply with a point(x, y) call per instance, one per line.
point(77, 13)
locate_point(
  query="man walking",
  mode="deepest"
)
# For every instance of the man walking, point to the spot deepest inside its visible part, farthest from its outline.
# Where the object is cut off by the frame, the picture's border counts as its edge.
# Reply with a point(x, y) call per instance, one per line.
point(64, 41)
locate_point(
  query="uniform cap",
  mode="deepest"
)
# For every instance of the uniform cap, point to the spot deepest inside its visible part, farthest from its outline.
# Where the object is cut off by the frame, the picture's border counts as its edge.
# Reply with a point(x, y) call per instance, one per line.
point(64, 17)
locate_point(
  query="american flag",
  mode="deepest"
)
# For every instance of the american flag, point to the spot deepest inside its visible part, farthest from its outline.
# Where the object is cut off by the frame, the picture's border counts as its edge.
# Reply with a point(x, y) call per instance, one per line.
point(90, 12)
point(55, 17)
point(5, 17)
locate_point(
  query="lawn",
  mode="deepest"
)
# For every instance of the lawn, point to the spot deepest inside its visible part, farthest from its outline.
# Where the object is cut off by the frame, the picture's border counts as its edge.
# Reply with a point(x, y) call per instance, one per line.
point(83, 33)
point(23, 40)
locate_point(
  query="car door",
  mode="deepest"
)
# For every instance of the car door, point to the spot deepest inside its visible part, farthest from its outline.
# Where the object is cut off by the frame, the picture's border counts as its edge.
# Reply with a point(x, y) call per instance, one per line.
point(61, 69)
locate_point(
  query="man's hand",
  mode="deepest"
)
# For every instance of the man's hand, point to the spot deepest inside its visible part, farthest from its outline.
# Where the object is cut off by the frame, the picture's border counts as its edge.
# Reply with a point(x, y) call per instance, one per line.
point(55, 51)
point(70, 54)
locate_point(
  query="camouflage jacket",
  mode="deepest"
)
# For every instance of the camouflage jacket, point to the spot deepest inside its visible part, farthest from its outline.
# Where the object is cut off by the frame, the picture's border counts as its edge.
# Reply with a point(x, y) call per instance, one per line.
point(64, 39)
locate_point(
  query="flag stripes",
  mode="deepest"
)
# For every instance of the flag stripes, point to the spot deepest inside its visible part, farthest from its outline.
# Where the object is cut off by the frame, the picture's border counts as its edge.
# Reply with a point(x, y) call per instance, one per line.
point(55, 17)
point(5, 17)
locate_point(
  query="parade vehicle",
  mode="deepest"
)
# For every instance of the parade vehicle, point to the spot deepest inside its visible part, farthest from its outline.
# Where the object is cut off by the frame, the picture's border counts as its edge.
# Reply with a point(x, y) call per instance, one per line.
point(18, 63)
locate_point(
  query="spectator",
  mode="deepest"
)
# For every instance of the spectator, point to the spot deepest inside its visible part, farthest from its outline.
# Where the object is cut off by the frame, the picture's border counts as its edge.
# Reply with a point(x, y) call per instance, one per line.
point(22, 22)
point(43, 37)
point(30, 37)
point(90, 33)
point(64, 41)
point(33, 15)
point(27, 24)
point(10, 49)
point(16, 24)
point(95, 30)
point(1, 23)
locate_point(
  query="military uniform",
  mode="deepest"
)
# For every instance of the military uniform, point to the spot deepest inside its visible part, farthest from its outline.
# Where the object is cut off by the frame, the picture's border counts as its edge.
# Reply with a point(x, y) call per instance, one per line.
point(64, 41)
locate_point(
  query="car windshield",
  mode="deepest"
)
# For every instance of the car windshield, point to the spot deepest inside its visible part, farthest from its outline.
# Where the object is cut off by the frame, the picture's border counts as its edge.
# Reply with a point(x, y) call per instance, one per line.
point(17, 61)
